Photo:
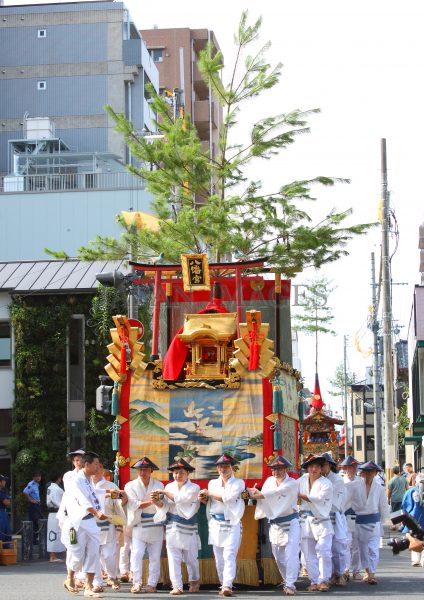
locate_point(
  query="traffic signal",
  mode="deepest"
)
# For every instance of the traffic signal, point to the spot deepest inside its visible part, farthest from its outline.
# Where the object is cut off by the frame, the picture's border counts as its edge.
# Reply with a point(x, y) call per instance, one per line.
point(104, 396)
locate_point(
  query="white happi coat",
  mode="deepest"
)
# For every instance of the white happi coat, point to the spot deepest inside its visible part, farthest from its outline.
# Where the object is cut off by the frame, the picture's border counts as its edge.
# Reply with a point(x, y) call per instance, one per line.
point(185, 505)
point(338, 518)
point(350, 518)
point(54, 498)
point(375, 503)
point(321, 498)
point(69, 477)
point(232, 507)
point(280, 501)
point(109, 507)
point(144, 527)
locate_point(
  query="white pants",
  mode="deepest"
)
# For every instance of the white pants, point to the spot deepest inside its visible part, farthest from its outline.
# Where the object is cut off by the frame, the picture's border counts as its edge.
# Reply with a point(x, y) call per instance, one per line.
point(124, 551)
point(287, 559)
point(369, 552)
point(85, 554)
point(176, 556)
point(154, 550)
point(226, 555)
point(285, 549)
point(318, 558)
point(107, 560)
point(417, 557)
point(338, 550)
point(352, 560)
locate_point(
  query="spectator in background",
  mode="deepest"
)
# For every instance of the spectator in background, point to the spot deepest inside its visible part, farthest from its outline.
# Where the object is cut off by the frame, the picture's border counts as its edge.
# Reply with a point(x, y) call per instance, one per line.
point(5, 530)
point(54, 498)
point(396, 490)
point(413, 503)
point(409, 474)
point(32, 494)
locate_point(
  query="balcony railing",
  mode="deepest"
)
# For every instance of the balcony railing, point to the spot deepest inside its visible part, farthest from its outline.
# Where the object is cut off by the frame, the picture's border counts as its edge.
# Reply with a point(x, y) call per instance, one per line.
point(67, 182)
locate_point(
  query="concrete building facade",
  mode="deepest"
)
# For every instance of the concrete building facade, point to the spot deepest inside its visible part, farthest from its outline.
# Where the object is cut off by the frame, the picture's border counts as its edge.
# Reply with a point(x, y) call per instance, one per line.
point(62, 165)
point(66, 62)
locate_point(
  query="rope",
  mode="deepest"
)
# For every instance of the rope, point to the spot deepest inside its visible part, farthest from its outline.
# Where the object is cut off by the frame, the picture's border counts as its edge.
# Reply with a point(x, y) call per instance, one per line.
point(19, 531)
point(10, 534)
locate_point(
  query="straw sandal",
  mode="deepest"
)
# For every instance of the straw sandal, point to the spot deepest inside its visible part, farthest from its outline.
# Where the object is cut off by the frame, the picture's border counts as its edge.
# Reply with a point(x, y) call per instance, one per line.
point(69, 588)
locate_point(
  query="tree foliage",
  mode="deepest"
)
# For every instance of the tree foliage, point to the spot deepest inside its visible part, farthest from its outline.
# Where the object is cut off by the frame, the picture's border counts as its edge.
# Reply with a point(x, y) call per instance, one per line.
point(210, 203)
point(403, 423)
point(338, 380)
point(316, 315)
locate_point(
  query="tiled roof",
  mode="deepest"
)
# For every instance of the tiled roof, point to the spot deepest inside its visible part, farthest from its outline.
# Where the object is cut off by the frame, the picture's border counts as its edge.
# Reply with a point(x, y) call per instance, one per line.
point(53, 276)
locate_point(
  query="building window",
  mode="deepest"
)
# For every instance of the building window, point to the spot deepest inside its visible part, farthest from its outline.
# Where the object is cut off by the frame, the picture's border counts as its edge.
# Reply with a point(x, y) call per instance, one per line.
point(359, 443)
point(370, 442)
point(42, 33)
point(358, 409)
point(5, 345)
point(157, 54)
point(41, 85)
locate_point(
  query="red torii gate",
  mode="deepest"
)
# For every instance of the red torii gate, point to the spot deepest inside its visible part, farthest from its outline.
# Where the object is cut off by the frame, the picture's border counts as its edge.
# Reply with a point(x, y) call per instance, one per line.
point(237, 267)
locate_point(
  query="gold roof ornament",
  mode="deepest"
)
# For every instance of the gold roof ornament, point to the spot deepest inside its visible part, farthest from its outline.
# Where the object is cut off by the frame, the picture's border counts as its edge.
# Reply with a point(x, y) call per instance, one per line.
point(218, 326)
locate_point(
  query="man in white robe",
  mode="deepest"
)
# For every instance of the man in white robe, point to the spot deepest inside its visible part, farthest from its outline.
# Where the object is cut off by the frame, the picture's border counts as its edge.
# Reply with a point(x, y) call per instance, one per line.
point(370, 504)
point(338, 520)
point(352, 559)
point(147, 534)
point(179, 504)
point(112, 500)
point(277, 501)
point(80, 533)
point(53, 500)
point(316, 495)
point(224, 510)
point(68, 478)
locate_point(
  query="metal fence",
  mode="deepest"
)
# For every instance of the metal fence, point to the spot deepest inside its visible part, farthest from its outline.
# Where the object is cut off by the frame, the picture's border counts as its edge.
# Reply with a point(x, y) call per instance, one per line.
point(69, 182)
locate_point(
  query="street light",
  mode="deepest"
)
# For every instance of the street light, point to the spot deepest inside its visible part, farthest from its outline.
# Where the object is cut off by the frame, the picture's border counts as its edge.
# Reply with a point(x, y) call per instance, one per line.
point(122, 283)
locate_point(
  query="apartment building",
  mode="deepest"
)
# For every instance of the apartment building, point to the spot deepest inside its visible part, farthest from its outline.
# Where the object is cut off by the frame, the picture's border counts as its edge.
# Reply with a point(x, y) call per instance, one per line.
point(62, 164)
point(175, 52)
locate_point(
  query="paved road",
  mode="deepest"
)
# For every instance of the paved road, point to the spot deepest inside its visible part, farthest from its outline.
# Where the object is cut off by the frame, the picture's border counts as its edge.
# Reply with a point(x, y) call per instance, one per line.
point(44, 581)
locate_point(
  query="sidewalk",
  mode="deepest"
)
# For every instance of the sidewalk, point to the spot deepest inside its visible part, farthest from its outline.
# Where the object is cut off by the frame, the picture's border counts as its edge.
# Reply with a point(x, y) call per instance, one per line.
point(41, 580)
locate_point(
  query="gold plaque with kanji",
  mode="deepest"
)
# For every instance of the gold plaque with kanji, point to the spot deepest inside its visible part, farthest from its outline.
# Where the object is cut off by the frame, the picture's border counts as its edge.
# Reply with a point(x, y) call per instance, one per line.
point(195, 269)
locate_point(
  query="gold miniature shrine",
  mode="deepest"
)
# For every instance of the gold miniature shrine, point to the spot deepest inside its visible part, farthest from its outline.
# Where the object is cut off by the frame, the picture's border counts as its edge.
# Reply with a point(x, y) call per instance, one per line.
point(209, 338)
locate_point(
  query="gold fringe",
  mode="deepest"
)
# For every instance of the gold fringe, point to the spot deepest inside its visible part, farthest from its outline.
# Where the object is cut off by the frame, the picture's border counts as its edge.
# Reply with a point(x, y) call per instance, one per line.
point(208, 572)
point(247, 572)
point(271, 572)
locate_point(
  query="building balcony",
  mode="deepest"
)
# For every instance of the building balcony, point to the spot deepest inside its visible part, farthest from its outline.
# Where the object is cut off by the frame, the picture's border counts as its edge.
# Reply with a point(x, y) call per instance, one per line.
point(66, 182)
point(201, 117)
point(200, 86)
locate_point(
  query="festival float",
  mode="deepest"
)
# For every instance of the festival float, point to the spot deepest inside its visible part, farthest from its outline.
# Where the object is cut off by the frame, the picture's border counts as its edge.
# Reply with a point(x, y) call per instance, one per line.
point(319, 428)
point(217, 381)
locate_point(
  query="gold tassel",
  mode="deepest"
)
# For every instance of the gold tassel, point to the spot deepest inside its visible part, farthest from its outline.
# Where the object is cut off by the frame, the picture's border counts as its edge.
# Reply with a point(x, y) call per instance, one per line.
point(271, 573)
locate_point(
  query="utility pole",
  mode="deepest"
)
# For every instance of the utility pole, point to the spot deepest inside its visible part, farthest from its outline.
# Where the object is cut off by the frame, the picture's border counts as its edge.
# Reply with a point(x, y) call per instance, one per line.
point(375, 369)
point(390, 454)
point(346, 443)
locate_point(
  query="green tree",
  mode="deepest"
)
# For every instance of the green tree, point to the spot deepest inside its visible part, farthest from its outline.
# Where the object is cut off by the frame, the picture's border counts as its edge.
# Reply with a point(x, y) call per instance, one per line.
point(403, 423)
point(209, 203)
point(316, 316)
point(338, 381)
